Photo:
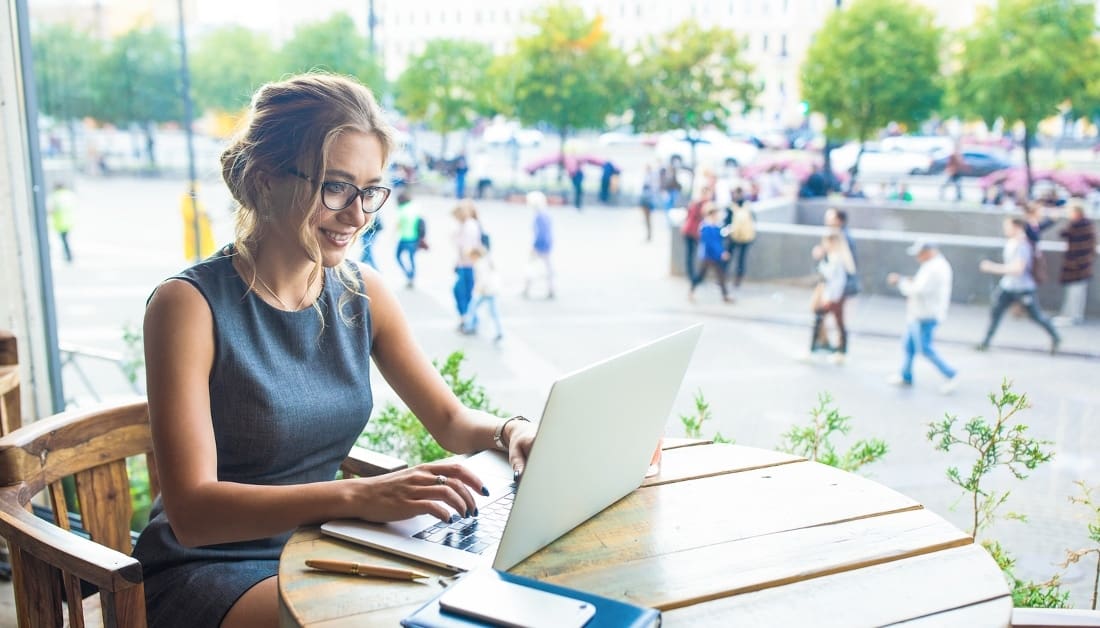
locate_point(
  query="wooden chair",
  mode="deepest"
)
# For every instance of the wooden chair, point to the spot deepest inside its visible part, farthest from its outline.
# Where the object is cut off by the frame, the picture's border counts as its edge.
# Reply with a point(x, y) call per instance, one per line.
point(49, 558)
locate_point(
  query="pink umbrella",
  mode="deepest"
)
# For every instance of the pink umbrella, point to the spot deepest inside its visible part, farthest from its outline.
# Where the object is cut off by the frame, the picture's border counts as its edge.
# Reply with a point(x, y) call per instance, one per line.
point(1014, 180)
point(571, 162)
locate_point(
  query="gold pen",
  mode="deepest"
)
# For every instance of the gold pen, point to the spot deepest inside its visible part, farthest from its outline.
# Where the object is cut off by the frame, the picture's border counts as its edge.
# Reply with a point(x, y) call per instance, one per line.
point(361, 569)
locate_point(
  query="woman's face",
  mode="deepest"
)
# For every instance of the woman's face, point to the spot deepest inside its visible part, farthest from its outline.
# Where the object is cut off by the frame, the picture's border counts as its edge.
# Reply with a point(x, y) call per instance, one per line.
point(355, 158)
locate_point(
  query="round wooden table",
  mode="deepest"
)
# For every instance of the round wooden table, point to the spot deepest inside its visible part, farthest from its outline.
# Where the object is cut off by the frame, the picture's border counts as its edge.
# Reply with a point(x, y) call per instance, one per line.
point(725, 535)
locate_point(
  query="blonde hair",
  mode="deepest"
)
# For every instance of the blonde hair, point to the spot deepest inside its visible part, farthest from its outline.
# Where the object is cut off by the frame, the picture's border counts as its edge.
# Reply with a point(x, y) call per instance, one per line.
point(844, 251)
point(290, 128)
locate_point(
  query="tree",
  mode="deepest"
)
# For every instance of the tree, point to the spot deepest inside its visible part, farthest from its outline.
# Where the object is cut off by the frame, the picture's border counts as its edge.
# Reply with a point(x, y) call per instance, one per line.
point(872, 63)
point(333, 45)
point(64, 71)
point(228, 65)
point(691, 76)
point(567, 74)
point(443, 85)
point(1019, 62)
point(138, 83)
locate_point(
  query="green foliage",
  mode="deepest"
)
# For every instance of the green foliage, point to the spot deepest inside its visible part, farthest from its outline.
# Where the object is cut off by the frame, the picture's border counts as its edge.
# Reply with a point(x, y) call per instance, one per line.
point(140, 496)
point(997, 444)
point(1029, 594)
point(873, 62)
point(65, 71)
point(397, 432)
point(1092, 504)
point(693, 423)
point(1013, 62)
point(814, 440)
point(228, 65)
point(133, 357)
point(691, 76)
point(333, 45)
point(138, 80)
point(567, 74)
point(445, 85)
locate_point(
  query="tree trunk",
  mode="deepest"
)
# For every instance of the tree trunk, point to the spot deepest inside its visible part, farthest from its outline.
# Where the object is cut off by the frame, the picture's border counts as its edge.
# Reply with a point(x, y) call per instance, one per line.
point(1027, 158)
point(73, 153)
point(561, 152)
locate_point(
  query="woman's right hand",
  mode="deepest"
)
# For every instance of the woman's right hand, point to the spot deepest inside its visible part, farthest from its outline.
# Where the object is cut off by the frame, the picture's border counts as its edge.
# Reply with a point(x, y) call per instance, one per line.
point(439, 489)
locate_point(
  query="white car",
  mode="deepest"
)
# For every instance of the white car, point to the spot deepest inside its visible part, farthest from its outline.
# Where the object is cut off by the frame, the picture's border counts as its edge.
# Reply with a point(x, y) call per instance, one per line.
point(504, 133)
point(879, 161)
point(712, 148)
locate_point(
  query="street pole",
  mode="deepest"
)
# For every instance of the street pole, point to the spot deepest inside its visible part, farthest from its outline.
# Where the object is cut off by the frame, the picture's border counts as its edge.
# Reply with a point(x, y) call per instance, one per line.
point(188, 113)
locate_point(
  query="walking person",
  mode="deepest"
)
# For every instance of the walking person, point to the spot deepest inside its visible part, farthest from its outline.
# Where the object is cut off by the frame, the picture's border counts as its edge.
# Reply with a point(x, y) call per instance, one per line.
point(954, 170)
point(833, 267)
point(693, 221)
point(367, 240)
point(577, 177)
point(1080, 236)
point(259, 365)
point(411, 230)
point(742, 233)
point(714, 254)
point(542, 246)
point(60, 205)
point(486, 287)
point(467, 237)
point(1017, 284)
point(928, 296)
point(651, 188)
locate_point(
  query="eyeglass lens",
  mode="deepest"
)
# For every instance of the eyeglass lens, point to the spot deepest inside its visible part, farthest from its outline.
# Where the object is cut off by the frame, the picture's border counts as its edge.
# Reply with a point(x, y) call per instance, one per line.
point(337, 195)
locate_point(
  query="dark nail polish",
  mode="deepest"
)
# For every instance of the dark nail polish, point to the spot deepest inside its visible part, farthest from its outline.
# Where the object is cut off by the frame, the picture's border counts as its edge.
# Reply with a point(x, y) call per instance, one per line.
point(475, 512)
point(454, 518)
point(468, 515)
point(485, 491)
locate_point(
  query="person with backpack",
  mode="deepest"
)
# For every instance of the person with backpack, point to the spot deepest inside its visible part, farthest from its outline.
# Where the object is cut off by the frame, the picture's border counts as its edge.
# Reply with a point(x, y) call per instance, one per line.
point(467, 237)
point(411, 230)
point(742, 233)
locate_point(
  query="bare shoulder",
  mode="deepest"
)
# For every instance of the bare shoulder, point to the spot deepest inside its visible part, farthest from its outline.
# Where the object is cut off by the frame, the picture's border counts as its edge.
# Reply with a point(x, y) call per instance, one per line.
point(178, 308)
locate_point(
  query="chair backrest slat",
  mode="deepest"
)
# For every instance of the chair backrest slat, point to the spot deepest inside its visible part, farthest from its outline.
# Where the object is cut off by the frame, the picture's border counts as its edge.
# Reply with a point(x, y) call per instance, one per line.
point(105, 509)
point(60, 505)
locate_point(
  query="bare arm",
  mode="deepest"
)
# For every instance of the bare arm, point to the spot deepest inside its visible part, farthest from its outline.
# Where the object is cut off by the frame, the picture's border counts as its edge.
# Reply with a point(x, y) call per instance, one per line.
point(203, 510)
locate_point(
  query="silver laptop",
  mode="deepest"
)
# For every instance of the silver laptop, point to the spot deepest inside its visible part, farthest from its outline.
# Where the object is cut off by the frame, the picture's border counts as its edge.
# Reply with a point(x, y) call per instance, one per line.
point(594, 443)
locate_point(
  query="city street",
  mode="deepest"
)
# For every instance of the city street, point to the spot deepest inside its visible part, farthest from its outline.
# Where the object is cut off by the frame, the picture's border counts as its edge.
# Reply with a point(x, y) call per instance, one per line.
point(613, 292)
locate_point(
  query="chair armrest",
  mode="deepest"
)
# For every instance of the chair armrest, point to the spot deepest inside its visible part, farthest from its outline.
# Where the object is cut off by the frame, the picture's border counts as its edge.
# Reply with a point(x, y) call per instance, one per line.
point(99, 565)
point(366, 463)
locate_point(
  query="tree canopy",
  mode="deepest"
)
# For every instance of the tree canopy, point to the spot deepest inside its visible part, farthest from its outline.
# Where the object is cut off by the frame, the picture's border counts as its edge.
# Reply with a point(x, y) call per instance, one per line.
point(872, 63)
point(566, 74)
point(227, 66)
point(65, 70)
point(691, 76)
point(445, 85)
point(333, 45)
point(1023, 60)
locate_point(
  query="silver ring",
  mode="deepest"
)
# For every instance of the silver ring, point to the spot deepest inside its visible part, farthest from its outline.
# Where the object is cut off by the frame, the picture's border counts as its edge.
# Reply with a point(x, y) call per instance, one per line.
point(441, 479)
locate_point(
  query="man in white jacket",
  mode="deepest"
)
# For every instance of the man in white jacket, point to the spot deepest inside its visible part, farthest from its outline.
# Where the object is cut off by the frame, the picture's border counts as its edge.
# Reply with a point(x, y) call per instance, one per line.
point(928, 297)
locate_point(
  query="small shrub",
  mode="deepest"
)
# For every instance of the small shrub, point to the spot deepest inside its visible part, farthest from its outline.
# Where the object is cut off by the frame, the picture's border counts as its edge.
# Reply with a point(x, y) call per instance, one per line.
point(693, 423)
point(396, 430)
point(1073, 556)
point(813, 441)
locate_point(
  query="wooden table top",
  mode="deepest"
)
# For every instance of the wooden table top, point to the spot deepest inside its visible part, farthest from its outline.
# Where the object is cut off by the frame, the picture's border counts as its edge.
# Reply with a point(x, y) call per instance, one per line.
point(724, 535)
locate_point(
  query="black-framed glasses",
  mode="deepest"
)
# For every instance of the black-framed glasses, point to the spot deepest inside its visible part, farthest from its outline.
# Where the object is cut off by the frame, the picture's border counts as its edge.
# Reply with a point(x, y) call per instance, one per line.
point(338, 195)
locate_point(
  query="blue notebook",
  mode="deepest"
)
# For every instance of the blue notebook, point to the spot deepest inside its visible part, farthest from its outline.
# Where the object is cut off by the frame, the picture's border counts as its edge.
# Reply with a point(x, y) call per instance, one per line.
point(609, 612)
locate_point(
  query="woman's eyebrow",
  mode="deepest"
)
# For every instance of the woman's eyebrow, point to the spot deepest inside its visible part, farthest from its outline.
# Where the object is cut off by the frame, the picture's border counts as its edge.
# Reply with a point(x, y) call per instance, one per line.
point(335, 172)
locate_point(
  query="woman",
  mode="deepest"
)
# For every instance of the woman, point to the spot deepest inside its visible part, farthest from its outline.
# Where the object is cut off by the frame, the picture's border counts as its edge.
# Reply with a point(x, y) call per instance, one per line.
point(258, 374)
point(834, 265)
point(467, 237)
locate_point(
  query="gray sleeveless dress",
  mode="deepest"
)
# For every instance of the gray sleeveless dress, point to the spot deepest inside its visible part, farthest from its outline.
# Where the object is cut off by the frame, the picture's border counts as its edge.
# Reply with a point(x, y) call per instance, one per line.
point(287, 402)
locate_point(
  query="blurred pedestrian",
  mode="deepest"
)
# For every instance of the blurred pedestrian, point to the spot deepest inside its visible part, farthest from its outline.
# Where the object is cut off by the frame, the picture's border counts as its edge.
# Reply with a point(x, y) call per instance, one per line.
point(486, 287)
point(542, 246)
point(714, 255)
point(741, 234)
point(577, 177)
point(190, 206)
point(462, 168)
point(670, 187)
point(833, 267)
point(651, 189)
point(61, 205)
point(1017, 285)
point(954, 170)
point(1080, 236)
point(467, 237)
point(689, 230)
point(608, 181)
point(928, 297)
point(838, 219)
point(367, 240)
point(411, 231)
point(480, 173)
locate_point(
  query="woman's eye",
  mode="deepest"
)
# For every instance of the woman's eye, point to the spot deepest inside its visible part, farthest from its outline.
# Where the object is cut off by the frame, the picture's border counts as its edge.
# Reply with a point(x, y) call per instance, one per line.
point(335, 187)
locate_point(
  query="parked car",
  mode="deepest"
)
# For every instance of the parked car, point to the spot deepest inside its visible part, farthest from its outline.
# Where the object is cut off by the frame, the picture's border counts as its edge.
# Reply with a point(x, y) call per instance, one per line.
point(502, 133)
point(712, 148)
point(879, 161)
point(926, 144)
point(977, 162)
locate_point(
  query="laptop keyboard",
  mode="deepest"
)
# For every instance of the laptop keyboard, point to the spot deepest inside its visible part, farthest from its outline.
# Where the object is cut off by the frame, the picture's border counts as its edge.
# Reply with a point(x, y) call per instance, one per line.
point(472, 534)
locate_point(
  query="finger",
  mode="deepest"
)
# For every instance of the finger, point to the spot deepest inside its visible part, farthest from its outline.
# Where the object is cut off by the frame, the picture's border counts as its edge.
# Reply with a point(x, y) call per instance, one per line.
point(433, 508)
point(453, 493)
point(463, 474)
